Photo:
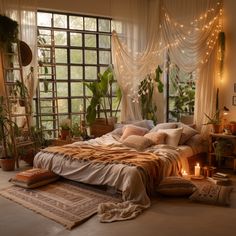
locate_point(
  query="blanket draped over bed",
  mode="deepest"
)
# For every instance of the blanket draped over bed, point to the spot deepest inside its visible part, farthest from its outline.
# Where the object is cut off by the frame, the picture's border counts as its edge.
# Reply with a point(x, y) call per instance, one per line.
point(135, 174)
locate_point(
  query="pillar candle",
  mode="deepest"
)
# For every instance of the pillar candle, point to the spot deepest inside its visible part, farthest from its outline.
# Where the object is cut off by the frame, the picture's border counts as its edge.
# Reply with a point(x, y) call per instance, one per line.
point(197, 170)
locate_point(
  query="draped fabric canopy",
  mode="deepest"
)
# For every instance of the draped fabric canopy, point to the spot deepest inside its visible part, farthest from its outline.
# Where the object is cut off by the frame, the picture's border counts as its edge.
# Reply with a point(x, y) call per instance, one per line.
point(187, 30)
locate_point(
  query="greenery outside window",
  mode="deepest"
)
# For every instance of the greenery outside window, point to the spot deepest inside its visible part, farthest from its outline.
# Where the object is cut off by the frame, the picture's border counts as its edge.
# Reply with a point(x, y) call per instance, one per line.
point(82, 46)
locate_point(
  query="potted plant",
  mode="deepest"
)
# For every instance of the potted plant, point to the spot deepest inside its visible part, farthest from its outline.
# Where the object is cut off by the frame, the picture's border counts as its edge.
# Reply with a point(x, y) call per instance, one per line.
point(215, 121)
point(146, 89)
point(7, 161)
point(100, 97)
point(65, 126)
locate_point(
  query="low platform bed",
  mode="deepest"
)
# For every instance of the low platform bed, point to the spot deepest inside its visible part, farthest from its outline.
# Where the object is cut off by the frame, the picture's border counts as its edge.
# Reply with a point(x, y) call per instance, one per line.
point(127, 160)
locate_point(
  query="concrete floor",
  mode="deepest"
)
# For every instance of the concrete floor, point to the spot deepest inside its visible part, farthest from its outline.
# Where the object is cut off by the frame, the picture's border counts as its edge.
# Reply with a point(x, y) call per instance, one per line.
point(166, 217)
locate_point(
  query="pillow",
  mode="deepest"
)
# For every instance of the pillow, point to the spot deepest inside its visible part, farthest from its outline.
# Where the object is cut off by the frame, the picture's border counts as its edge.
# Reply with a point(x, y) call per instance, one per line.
point(173, 136)
point(132, 130)
point(137, 142)
point(164, 126)
point(187, 133)
point(175, 186)
point(212, 194)
point(148, 124)
point(33, 178)
point(156, 137)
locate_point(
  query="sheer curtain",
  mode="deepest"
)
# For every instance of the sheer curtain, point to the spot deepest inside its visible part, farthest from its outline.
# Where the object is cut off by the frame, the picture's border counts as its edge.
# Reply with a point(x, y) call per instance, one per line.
point(187, 29)
point(24, 12)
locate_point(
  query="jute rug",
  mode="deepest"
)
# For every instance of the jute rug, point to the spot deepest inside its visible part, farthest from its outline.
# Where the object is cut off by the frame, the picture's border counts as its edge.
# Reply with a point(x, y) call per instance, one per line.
point(66, 202)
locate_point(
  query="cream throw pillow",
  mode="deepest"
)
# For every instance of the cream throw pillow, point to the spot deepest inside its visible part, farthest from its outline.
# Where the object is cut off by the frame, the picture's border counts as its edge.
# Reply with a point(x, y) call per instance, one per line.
point(173, 136)
point(187, 133)
point(156, 137)
point(132, 130)
point(137, 142)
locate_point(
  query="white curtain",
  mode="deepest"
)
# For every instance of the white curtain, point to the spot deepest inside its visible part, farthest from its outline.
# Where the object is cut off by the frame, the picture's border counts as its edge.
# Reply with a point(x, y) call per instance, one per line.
point(24, 12)
point(187, 29)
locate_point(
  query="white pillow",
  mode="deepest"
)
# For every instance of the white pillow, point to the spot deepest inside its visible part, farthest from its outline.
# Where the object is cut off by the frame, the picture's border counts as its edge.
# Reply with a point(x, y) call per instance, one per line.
point(173, 136)
point(164, 126)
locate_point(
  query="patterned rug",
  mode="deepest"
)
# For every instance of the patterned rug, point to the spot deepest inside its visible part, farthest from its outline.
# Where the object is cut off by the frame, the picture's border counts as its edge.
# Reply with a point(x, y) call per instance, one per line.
point(66, 202)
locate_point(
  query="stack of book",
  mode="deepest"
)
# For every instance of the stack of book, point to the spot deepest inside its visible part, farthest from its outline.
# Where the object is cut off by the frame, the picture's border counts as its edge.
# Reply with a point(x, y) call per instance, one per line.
point(220, 178)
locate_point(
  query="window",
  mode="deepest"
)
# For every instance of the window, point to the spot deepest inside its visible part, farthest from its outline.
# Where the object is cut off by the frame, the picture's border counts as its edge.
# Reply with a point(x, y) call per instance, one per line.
point(75, 49)
point(180, 93)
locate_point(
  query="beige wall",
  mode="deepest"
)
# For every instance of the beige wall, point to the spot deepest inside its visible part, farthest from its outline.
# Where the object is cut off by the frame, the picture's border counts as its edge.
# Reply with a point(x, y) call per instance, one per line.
point(90, 7)
point(229, 79)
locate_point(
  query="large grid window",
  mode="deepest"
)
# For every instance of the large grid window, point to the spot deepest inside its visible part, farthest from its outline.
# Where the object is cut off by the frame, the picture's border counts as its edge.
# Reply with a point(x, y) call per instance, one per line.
point(82, 49)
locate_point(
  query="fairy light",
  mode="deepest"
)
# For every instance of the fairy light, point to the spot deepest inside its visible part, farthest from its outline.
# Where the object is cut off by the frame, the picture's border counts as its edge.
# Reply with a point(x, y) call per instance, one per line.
point(209, 21)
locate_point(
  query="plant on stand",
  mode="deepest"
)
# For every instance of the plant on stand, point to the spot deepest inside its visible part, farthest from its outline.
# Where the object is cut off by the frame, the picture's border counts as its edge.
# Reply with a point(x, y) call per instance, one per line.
point(100, 100)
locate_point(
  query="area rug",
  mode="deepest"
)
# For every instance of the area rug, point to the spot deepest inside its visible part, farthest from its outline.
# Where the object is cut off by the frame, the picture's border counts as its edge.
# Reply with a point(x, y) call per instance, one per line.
point(66, 202)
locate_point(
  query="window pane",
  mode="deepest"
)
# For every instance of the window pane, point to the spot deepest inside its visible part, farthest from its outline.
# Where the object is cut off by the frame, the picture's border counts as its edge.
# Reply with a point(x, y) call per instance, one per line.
point(76, 56)
point(104, 25)
point(61, 72)
point(76, 72)
point(90, 40)
point(104, 57)
point(44, 19)
point(77, 89)
point(76, 105)
point(76, 39)
point(44, 37)
point(60, 21)
point(90, 57)
point(104, 41)
point(88, 92)
point(60, 38)
point(90, 23)
point(61, 55)
point(90, 73)
point(62, 89)
point(76, 22)
point(62, 105)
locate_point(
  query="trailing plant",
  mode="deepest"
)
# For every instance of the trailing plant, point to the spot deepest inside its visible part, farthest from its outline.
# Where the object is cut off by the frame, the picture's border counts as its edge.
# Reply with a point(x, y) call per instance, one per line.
point(8, 30)
point(146, 89)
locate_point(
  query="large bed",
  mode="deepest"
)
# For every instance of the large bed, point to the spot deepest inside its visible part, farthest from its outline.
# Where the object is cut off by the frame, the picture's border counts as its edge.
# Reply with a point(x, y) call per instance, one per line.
point(120, 161)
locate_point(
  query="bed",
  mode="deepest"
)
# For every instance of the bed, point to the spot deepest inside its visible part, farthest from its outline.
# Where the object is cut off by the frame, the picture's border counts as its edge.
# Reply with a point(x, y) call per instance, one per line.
point(131, 160)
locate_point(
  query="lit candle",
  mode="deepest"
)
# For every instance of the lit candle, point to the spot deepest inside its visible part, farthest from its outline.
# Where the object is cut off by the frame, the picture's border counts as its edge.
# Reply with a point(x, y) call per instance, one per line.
point(197, 170)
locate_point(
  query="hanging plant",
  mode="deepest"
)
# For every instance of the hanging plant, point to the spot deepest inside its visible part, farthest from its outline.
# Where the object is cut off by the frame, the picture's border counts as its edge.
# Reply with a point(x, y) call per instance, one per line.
point(8, 30)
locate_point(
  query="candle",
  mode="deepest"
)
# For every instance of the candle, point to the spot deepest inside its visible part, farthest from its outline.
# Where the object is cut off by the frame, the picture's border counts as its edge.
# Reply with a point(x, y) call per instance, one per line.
point(197, 170)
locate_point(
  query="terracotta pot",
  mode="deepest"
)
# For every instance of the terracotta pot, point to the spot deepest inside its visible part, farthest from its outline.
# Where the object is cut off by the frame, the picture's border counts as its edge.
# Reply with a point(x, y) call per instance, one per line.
point(233, 128)
point(65, 133)
point(7, 164)
point(216, 128)
point(99, 127)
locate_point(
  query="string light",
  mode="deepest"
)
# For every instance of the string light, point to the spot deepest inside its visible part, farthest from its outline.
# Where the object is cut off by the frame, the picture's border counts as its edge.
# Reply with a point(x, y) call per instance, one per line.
point(209, 23)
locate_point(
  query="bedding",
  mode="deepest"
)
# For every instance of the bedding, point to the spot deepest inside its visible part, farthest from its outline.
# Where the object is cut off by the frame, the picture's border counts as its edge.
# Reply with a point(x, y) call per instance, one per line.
point(107, 161)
